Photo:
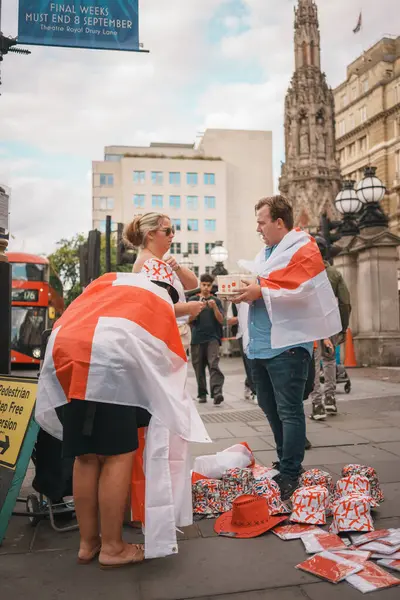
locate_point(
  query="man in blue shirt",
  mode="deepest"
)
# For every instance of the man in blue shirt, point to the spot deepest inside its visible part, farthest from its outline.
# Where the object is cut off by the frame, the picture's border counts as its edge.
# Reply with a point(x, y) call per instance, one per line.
point(280, 374)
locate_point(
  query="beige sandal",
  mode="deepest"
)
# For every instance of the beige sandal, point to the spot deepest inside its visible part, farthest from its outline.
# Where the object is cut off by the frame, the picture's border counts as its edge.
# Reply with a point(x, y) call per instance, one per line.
point(137, 557)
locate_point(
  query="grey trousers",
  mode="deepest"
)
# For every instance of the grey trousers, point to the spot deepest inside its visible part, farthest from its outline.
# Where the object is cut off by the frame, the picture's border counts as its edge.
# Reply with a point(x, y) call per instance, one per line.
point(207, 355)
point(329, 368)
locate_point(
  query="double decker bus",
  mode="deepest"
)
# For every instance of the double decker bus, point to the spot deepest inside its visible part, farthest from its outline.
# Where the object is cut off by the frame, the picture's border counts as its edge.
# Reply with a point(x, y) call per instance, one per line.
point(37, 301)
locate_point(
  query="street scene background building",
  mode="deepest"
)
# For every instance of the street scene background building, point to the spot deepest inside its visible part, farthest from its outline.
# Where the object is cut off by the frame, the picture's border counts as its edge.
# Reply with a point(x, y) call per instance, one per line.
point(209, 190)
point(367, 106)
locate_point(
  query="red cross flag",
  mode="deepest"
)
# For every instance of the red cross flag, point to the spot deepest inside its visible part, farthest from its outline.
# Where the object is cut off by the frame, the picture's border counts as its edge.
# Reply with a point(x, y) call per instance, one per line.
point(119, 343)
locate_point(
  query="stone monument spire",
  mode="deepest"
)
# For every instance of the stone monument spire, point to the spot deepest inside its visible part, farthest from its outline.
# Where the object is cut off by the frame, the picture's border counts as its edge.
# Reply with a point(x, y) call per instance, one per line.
point(310, 175)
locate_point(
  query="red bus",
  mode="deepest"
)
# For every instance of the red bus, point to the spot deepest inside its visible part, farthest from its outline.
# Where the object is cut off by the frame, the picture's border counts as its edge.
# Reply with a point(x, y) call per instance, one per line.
point(37, 301)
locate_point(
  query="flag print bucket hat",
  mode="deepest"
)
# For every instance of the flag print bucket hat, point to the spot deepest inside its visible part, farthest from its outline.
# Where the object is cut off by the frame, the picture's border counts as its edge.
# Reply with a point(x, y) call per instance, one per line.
point(250, 517)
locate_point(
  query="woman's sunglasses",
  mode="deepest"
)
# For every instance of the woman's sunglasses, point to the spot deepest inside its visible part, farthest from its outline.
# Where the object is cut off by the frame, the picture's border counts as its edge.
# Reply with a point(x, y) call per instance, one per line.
point(168, 230)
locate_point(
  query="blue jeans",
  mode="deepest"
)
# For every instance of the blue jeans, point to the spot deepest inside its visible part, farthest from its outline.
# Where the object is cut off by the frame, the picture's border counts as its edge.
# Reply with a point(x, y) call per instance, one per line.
point(280, 383)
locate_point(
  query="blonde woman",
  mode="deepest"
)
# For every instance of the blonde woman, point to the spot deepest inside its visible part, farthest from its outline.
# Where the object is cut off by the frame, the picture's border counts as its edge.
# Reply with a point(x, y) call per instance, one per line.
point(153, 234)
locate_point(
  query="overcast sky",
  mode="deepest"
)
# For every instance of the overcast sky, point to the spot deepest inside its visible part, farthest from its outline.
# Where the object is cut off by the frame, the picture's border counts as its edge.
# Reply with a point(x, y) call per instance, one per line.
point(212, 63)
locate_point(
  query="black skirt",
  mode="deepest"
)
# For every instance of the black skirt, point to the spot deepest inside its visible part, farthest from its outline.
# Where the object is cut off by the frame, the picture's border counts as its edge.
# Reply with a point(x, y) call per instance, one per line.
point(98, 428)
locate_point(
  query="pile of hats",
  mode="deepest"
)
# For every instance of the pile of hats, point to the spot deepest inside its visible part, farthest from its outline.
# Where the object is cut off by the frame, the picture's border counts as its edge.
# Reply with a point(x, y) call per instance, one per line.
point(216, 496)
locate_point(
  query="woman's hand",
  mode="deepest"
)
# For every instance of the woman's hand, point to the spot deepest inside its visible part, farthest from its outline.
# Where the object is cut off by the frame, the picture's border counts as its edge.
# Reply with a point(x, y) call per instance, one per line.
point(173, 263)
point(194, 309)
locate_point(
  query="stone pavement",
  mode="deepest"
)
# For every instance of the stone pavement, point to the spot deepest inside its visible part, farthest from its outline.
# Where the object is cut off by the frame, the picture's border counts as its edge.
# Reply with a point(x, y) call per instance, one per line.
point(40, 564)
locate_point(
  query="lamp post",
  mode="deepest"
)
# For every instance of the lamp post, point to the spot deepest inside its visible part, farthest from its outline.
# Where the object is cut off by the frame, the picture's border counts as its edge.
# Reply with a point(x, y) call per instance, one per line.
point(370, 191)
point(187, 261)
point(219, 254)
point(5, 287)
point(349, 205)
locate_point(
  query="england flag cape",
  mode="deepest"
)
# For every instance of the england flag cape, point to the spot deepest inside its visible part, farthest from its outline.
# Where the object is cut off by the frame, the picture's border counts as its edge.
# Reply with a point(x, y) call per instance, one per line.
point(119, 343)
point(296, 290)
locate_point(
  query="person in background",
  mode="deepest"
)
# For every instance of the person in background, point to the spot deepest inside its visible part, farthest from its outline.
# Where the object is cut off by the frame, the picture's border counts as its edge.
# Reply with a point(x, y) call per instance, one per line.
point(206, 342)
point(239, 319)
point(325, 350)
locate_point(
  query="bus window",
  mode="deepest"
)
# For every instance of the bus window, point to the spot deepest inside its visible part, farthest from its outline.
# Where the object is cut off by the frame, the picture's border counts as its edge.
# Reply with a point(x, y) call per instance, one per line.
point(27, 325)
point(28, 272)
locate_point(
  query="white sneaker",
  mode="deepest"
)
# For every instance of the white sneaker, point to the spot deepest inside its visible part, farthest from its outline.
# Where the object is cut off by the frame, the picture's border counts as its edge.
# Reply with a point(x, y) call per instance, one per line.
point(254, 398)
point(247, 393)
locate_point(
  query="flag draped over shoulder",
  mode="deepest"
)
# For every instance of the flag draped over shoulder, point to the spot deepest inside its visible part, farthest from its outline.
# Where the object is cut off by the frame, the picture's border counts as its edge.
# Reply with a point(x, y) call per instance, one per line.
point(119, 343)
point(296, 290)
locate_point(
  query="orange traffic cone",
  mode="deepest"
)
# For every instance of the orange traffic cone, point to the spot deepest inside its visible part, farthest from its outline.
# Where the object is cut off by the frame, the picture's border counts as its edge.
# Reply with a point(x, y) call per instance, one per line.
point(349, 354)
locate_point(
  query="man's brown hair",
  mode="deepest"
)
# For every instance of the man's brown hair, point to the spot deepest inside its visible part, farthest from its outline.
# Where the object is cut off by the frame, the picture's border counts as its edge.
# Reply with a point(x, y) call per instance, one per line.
point(279, 208)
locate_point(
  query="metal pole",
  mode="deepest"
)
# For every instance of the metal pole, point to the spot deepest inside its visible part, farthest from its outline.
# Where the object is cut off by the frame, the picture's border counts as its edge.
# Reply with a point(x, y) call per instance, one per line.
point(5, 309)
point(108, 244)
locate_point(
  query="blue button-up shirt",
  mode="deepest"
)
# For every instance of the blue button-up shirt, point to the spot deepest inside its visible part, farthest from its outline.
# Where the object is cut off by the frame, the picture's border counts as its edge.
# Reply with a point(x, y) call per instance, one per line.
point(260, 329)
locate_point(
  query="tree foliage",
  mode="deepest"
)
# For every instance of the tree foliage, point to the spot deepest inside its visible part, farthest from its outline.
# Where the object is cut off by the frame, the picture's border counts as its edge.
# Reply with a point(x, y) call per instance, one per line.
point(65, 261)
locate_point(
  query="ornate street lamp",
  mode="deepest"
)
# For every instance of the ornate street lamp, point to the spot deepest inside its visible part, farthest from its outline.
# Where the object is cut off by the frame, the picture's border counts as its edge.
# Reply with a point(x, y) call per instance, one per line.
point(186, 261)
point(348, 204)
point(219, 254)
point(371, 191)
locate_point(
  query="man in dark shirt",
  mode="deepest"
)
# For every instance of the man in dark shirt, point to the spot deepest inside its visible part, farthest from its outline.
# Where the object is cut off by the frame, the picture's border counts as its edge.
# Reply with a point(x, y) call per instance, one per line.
point(206, 340)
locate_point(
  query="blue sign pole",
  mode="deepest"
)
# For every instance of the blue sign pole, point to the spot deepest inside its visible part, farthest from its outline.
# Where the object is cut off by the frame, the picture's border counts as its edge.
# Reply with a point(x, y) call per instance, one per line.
point(95, 24)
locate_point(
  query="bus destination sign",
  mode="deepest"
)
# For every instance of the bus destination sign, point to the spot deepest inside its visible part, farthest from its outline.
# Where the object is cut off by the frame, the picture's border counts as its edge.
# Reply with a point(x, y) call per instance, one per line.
point(21, 295)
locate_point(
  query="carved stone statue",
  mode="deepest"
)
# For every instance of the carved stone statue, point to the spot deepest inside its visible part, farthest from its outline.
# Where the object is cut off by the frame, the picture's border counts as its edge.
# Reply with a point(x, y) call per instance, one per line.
point(321, 138)
point(304, 137)
point(290, 140)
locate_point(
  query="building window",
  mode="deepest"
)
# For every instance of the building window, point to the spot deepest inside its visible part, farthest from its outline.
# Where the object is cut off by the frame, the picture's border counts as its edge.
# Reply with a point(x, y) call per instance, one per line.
point(175, 201)
point(139, 176)
point(209, 202)
point(174, 178)
point(192, 202)
point(397, 163)
point(343, 100)
point(113, 157)
point(175, 248)
point(354, 92)
point(351, 150)
point(397, 93)
point(138, 200)
point(156, 201)
point(102, 226)
point(209, 270)
point(210, 224)
point(193, 225)
point(157, 177)
point(362, 144)
point(193, 248)
point(363, 114)
point(209, 178)
point(365, 86)
point(106, 179)
point(352, 121)
point(196, 271)
point(209, 247)
point(177, 224)
point(342, 127)
point(106, 203)
point(191, 178)
point(342, 156)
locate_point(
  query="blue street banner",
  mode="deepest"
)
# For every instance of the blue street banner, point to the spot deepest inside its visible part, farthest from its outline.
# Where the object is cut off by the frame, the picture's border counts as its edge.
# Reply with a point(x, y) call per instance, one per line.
point(96, 24)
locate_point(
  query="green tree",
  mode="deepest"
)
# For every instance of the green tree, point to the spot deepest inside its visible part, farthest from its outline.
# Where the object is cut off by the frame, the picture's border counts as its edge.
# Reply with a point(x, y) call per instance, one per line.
point(65, 261)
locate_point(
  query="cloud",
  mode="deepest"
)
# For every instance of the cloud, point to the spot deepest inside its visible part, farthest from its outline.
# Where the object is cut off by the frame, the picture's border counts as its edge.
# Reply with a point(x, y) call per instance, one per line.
point(68, 104)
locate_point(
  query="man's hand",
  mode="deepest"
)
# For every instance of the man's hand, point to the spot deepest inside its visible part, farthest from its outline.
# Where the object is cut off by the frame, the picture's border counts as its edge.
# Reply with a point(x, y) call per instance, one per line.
point(329, 347)
point(249, 294)
point(173, 263)
point(211, 304)
point(233, 321)
point(194, 308)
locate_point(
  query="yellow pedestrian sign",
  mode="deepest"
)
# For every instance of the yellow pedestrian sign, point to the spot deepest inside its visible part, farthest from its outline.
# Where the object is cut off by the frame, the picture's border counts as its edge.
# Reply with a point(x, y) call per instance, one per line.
point(17, 400)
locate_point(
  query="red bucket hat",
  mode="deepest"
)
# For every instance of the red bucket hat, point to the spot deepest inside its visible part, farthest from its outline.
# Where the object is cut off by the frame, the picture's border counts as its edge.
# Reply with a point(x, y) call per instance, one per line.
point(249, 517)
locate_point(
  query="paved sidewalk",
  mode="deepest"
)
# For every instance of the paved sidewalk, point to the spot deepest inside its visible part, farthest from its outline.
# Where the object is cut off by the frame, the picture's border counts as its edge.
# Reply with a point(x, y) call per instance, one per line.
point(40, 564)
